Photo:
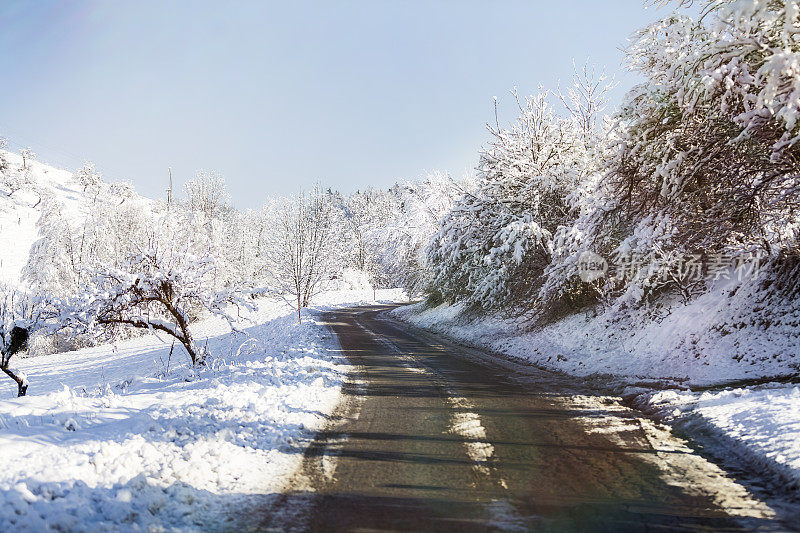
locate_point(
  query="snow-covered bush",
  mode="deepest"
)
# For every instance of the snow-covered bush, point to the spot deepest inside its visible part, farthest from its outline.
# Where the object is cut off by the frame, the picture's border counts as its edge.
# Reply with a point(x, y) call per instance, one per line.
point(711, 137)
point(706, 159)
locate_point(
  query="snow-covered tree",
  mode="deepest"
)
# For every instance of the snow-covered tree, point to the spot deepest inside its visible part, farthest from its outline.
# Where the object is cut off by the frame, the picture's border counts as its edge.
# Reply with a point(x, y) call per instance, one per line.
point(3, 158)
point(206, 195)
point(358, 231)
point(28, 156)
point(12, 178)
point(70, 245)
point(21, 315)
point(711, 137)
point(54, 262)
point(298, 260)
point(494, 246)
point(162, 286)
point(402, 239)
point(364, 213)
point(87, 177)
point(122, 190)
point(706, 158)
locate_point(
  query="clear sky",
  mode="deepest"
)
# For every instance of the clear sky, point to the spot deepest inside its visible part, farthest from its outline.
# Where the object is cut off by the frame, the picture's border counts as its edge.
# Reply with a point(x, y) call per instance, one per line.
point(279, 95)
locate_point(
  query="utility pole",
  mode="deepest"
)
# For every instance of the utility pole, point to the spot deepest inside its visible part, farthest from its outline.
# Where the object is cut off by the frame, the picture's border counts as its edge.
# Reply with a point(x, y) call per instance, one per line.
point(169, 191)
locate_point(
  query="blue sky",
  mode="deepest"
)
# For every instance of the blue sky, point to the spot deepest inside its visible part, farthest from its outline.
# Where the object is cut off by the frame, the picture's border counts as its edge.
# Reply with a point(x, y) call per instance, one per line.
point(278, 96)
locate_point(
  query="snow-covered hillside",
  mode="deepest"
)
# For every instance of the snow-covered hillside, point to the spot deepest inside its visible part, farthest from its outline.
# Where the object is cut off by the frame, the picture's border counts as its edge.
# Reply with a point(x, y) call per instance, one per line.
point(20, 211)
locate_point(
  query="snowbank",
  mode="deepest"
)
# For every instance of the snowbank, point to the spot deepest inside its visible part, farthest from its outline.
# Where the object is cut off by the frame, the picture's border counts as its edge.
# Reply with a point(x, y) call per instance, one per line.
point(760, 425)
point(127, 437)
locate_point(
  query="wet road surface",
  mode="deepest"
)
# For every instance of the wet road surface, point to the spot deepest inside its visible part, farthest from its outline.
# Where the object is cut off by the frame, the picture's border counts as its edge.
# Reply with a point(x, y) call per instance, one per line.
point(434, 436)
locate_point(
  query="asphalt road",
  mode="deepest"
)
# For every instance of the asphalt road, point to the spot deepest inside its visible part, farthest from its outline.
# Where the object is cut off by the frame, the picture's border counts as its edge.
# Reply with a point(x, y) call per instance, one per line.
point(434, 436)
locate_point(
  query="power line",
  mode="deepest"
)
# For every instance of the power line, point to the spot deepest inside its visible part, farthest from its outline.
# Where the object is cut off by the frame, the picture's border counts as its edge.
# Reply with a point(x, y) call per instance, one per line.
point(68, 161)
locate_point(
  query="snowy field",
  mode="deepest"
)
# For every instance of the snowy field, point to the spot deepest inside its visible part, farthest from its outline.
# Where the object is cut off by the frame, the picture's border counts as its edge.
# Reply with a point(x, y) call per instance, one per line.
point(701, 343)
point(124, 437)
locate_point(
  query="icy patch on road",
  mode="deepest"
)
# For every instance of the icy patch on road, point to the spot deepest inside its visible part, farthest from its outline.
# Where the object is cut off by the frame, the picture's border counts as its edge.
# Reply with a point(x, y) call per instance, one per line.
point(504, 517)
point(467, 425)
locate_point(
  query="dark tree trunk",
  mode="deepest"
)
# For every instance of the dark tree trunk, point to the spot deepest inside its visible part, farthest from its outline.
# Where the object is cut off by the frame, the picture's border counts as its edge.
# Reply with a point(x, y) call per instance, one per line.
point(299, 320)
point(22, 387)
point(18, 342)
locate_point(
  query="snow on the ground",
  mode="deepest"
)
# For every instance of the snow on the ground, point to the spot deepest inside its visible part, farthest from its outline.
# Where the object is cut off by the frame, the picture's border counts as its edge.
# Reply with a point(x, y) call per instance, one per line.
point(17, 233)
point(127, 438)
point(761, 425)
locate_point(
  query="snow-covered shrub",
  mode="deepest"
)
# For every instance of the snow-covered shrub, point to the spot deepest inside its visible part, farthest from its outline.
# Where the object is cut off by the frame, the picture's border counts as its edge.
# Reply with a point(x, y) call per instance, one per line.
point(709, 142)
point(703, 159)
